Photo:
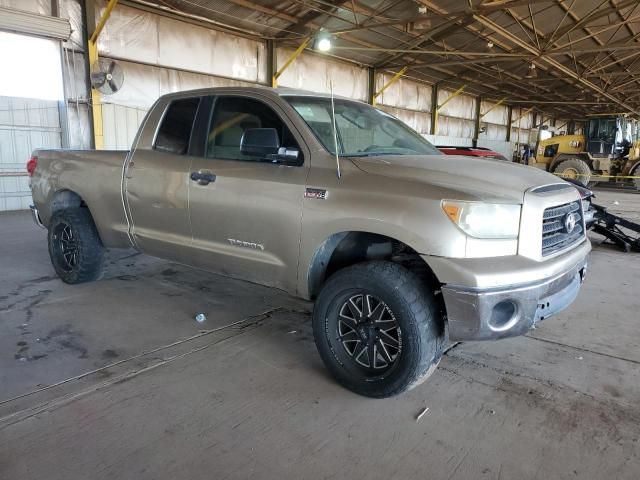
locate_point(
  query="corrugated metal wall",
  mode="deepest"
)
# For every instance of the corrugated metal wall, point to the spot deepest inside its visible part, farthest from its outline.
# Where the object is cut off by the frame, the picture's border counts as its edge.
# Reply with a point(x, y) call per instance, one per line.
point(25, 124)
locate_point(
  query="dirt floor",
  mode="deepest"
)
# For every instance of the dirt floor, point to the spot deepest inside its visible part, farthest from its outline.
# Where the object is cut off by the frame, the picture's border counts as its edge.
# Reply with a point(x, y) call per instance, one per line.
point(116, 380)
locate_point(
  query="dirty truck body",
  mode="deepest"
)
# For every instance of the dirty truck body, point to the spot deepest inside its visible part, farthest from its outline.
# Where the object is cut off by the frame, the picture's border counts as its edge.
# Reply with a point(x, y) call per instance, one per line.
point(405, 248)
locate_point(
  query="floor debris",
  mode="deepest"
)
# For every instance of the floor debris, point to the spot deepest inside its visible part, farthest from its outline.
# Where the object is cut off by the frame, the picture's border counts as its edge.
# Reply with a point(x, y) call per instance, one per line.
point(422, 413)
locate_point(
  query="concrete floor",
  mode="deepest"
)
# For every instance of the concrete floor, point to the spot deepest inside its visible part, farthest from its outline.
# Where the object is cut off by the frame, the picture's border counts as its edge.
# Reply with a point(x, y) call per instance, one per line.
point(116, 380)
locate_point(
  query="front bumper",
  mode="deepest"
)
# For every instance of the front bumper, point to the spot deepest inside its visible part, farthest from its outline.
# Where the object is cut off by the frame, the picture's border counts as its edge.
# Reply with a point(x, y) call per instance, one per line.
point(492, 313)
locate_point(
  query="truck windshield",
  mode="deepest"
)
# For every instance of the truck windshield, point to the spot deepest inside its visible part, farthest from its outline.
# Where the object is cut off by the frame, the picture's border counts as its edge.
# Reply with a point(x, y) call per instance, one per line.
point(361, 130)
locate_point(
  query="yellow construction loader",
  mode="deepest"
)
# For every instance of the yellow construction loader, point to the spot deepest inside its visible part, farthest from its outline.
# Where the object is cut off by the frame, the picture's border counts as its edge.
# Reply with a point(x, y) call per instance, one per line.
point(609, 150)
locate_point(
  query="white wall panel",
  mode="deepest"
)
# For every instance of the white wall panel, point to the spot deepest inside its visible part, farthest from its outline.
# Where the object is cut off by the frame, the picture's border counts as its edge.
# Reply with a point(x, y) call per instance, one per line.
point(521, 135)
point(501, 146)
point(25, 125)
point(74, 75)
point(404, 93)
point(315, 73)
point(461, 106)
point(419, 121)
point(120, 125)
point(494, 114)
point(43, 7)
point(131, 34)
point(72, 10)
point(79, 132)
point(455, 127)
point(145, 37)
point(521, 119)
point(493, 132)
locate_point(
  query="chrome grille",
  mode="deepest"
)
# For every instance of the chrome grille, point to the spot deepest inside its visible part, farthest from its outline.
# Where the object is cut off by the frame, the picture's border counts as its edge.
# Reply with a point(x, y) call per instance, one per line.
point(556, 225)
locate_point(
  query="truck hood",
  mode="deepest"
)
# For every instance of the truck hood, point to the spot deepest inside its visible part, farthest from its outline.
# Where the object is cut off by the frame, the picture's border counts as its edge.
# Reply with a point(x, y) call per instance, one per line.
point(477, 178)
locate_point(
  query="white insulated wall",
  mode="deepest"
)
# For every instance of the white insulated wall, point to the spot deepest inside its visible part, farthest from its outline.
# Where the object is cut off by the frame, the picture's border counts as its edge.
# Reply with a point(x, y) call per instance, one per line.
point(161, 55)
point(320, 74)
point(494, 119)
point(407, 100)
point(25, 124)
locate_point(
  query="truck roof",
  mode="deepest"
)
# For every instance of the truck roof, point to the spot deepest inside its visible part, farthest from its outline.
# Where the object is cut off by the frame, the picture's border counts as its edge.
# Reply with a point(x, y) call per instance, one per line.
point(258, 89)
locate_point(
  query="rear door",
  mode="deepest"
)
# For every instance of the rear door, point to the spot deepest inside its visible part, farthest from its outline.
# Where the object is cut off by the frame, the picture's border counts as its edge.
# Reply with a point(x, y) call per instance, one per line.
point(246, 220)
point(157, 184)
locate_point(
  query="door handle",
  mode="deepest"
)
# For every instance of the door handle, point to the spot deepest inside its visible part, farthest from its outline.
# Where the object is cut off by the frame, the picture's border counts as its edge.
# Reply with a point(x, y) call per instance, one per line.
point(203, 178)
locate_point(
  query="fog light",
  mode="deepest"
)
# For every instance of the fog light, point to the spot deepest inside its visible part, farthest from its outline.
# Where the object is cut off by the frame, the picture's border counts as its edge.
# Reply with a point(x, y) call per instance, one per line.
point(503, 316)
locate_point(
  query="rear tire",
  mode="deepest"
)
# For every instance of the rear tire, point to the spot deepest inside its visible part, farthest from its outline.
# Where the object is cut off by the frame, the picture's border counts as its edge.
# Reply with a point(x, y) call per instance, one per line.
point(378, 311)
point(575, 169)
point(636, 173)
point(75, 248)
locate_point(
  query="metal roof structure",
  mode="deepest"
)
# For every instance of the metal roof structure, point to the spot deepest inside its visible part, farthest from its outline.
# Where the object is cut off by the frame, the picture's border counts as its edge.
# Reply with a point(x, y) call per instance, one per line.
point(570, 57)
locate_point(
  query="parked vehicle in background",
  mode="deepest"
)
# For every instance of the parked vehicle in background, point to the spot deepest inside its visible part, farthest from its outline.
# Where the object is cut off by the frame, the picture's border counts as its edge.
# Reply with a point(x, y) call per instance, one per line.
point(610, 147)
point(471, 152)
point(330, 200)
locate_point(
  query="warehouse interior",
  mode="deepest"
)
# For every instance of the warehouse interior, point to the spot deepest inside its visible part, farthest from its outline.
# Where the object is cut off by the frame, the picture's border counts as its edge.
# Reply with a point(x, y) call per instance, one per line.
point(117, 378)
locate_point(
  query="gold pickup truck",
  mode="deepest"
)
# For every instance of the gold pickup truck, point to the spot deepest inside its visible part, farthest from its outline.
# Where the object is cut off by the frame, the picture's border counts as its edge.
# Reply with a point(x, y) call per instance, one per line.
point(401, 248)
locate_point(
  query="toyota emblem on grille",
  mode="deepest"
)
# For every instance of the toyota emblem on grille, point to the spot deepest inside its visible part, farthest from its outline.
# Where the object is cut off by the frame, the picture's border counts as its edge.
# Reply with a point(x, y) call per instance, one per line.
point(570, 222)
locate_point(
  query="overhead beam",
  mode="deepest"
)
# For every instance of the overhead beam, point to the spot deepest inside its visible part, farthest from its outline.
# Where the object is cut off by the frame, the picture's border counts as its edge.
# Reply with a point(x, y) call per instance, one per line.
point(290, 60)
point(551, 62)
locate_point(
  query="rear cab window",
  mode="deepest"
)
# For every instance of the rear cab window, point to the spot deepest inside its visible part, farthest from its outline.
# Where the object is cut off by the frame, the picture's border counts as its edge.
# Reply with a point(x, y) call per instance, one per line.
point(176, 126)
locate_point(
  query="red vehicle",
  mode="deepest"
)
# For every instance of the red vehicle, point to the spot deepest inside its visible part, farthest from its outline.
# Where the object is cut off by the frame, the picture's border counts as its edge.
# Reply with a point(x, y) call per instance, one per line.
point(471, 152)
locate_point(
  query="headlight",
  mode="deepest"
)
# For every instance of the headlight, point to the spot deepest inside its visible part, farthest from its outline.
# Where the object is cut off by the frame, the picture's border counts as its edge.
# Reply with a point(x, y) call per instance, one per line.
point(484, 220)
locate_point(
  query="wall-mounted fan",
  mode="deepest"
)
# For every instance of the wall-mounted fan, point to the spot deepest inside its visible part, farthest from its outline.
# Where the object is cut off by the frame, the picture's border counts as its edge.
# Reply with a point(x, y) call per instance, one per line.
point(106, 76)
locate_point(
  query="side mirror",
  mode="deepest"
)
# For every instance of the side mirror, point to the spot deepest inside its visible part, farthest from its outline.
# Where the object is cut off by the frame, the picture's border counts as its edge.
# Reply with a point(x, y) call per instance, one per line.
point(260, 142)
point(264, 143)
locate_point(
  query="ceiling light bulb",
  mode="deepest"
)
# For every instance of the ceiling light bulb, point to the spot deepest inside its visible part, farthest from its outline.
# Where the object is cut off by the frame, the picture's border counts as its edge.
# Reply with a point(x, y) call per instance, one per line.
point(489, 44)
point(324, 44)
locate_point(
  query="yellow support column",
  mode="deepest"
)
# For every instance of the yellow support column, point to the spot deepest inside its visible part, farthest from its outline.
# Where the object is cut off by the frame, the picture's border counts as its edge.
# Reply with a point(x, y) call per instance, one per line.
point(393, 80)
point(294, 55)
point(500, 102)
point(92, 52)
point(439, 107)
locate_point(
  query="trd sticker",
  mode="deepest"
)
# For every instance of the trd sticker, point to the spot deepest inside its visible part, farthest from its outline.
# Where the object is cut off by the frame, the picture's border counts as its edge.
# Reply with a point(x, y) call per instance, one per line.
point(317, 193)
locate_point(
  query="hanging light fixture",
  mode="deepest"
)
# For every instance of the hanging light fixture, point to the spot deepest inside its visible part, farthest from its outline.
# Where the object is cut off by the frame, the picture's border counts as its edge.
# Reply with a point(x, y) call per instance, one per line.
point(323, 42)
point(532, 73)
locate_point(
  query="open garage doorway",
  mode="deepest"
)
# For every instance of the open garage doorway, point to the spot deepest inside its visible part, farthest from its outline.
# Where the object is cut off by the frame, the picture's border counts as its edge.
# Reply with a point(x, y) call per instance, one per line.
point(30, 98)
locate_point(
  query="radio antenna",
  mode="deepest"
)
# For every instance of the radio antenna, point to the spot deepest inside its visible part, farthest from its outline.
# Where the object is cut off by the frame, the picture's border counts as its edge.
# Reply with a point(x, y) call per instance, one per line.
point(333, 122)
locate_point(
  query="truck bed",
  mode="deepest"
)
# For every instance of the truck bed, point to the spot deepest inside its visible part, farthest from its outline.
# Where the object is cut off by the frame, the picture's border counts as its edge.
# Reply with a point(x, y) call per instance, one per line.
point(93, 175)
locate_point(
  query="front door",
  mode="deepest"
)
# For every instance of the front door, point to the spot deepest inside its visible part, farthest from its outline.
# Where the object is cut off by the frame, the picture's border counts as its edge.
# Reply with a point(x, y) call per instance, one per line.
point(246, 212)
point(157, 185)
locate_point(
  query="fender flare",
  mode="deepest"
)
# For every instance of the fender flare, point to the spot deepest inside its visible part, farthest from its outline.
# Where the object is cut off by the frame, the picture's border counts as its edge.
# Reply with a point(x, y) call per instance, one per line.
point(320, 261)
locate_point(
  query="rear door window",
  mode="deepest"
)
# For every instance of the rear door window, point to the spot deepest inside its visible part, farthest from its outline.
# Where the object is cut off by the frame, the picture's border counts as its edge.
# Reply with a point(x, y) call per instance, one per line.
point(176, 126)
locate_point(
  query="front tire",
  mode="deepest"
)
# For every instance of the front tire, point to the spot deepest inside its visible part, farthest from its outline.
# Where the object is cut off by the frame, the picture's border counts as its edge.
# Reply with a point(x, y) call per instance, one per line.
point(377, 328)
point(575, 169)
point(75, 249)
